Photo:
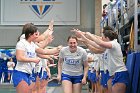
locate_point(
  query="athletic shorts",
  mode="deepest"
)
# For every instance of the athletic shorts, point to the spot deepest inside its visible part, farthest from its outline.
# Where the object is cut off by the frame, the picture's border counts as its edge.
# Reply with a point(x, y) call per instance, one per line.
point(93, 77)
point(121, 77)
point(18, 76)
point(89, 75)
point(73, 79)
point(10, 71)
point(34, 75)
point(45, 76)
point(104, 78)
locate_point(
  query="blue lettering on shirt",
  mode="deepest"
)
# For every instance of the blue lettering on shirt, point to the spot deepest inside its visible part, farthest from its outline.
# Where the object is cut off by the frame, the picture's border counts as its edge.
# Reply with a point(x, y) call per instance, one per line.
point(105, 56)
point(71, 61)
point(31, 54)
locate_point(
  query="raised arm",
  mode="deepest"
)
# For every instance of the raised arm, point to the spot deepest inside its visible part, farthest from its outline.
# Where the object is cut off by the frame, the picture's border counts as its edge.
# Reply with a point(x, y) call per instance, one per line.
point(93, 49)
point(98, 41)
point(48, 51)
point(44, 43)
point(49, 31)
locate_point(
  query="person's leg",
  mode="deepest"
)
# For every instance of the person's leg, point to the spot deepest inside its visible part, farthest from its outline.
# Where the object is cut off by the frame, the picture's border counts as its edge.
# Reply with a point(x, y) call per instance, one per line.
point(44, 82)
point(67, 86)
point(22, 87)
point(38, 84)
point(9, 75)
point(93, 80)
point(98, 86)
point(106, 90)
point(119, 88)
point(77, 88)
point(89, 86)
point(101, 89)
point(109, 84)
point(33, 87)
point(93, 87)
point(119, 82)
point(43, 86)
point(21, 81)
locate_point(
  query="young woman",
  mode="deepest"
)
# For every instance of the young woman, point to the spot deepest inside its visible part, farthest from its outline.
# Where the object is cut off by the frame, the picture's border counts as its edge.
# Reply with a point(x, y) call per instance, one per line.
point(26, 58)
point(72, 66)
point(10, 65)
point(93, 76)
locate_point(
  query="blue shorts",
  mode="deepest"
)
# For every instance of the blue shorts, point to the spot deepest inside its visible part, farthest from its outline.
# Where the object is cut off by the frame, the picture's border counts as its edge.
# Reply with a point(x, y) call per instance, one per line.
point(93, 77)
point(73, 79)
point(10, 71)
point(45, 76)
point(18, 76)
point(89, 75)
point(34, 75)
point(104, 78)
point(121, 77)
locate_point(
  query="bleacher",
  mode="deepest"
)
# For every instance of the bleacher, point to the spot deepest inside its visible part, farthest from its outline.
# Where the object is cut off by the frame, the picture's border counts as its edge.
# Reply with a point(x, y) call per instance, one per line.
point(123, 21)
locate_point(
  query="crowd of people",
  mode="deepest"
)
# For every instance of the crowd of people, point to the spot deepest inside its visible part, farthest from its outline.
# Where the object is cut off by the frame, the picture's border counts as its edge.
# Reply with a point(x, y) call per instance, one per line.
point(114, 11)
point(114, 74)
point(103, 67)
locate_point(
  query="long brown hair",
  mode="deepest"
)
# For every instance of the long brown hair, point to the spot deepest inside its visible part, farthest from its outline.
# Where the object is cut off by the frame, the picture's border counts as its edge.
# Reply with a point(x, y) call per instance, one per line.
point(110, 33)
point(28, 28)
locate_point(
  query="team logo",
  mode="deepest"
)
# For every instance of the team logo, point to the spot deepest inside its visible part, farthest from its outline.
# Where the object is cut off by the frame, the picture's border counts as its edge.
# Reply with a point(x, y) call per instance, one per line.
point(40, 7)
point(41, 10)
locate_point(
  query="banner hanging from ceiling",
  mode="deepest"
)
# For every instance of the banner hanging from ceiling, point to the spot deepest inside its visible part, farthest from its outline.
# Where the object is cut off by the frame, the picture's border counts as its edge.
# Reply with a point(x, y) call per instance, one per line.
point(40, 12)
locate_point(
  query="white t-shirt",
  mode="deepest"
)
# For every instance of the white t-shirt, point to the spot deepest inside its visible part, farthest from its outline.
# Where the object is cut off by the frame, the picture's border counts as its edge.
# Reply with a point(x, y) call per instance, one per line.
point(90, 63)
point(38, 67)
point(104, 61)
point(22, 36)
point(95, 64)
point(73, 62)
point(44, 64)
point(114, 58)
point(9, 63)
point(29, 50)
point(100, 56)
